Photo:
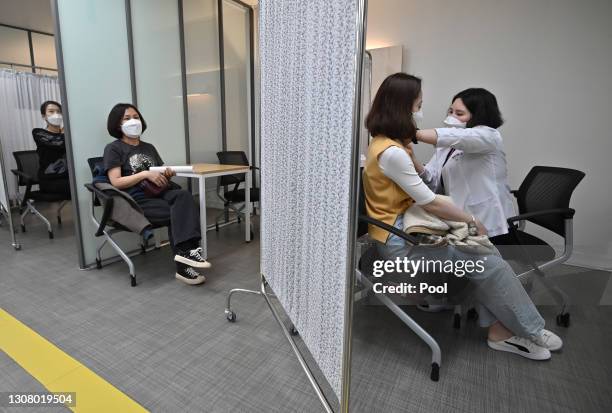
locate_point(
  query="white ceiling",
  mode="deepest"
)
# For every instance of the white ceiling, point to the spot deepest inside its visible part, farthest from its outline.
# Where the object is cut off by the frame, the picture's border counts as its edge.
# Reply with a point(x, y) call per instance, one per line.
point(30, 14)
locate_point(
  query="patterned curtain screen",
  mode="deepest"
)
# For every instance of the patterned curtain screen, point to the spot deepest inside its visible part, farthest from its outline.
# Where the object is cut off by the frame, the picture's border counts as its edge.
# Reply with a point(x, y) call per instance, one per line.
point(308, 54)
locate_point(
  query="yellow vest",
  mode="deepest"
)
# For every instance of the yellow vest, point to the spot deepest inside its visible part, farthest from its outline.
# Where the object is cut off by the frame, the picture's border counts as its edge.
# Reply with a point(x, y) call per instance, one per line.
point(385, 200)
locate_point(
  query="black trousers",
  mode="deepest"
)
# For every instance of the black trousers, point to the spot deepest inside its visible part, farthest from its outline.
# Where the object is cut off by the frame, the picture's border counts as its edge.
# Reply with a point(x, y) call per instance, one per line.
point(184, 214)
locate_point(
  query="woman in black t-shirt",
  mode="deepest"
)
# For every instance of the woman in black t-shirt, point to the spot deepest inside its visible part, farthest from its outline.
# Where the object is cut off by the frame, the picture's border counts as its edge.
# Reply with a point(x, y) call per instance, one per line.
point(51, 148)
point(127, 162)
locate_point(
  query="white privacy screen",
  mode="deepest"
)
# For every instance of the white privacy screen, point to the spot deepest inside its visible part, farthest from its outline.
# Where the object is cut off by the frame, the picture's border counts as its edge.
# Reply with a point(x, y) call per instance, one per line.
point(308, 54)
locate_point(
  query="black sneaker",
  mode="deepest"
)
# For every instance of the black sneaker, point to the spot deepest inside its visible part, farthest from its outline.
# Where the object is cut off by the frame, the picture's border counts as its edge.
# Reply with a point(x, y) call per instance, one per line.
point(188, 275)
point(192, 258)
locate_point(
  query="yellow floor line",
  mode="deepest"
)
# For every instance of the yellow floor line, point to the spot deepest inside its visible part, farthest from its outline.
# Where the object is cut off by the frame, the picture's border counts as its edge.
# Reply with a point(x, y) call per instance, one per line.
point(58, 372)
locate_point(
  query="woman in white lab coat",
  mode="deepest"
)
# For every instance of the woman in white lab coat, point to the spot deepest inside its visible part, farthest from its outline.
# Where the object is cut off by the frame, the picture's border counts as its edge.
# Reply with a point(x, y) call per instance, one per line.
point(469, 164)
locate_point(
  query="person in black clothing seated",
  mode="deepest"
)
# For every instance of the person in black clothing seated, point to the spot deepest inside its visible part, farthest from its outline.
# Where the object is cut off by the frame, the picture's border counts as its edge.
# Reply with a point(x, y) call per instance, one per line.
point(51, 148)
point(127, 162)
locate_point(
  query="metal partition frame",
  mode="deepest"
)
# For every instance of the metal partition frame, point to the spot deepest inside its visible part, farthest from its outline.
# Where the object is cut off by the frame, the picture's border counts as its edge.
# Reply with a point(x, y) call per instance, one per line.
point(351, 241)
point(9, 216)
point(67, 134)
point(66, 111)
point(253, 111)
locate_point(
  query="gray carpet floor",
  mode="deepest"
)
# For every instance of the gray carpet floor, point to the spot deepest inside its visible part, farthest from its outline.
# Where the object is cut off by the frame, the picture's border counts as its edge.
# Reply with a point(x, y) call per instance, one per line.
point(168, 345)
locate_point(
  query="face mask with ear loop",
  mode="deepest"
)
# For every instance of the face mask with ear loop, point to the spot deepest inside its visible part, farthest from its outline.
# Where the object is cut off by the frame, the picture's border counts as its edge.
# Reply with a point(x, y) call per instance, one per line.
point(453, 122)
point(132, 128)
point(416, 117)
point(55, 119)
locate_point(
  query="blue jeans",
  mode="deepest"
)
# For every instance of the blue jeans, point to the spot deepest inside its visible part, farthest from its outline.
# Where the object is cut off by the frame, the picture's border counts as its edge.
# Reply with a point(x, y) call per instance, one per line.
point(497, 292)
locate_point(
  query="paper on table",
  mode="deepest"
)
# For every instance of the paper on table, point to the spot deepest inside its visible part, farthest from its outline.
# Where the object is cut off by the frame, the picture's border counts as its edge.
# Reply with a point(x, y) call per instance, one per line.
point(177, 169)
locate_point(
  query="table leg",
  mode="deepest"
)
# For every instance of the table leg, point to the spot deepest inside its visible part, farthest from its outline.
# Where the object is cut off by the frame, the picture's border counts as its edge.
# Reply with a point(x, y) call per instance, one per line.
point(202, 192)
point(247, 198)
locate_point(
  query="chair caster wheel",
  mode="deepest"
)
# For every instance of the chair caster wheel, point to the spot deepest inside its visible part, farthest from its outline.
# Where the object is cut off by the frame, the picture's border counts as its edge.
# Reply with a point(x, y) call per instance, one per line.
point(563, 320)
point(17, 247)
point(230, 315)
point(457, 321)
point(238, 219)
point(435, 372)
point(293, 331)
point(59, 220)
point(50, 234)
point(472, 314)
point(216, 227)
point(23, 228)
point(133, 281)
point(98, 264)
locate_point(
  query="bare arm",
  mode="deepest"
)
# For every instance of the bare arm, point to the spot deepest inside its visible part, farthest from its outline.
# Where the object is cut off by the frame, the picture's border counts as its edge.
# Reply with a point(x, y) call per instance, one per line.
point(429, 136)
point(447, 210)
point(417, 164)
point(123, 182)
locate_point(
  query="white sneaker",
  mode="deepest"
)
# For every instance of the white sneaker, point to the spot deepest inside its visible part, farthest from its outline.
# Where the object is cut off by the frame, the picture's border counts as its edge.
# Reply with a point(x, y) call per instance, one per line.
point(193, 258)
point(549, 340)
point(189, 276)
point(521, 346)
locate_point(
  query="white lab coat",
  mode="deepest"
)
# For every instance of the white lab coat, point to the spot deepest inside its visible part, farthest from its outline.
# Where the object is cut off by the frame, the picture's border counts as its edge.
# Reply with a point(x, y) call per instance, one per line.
point(475, 176)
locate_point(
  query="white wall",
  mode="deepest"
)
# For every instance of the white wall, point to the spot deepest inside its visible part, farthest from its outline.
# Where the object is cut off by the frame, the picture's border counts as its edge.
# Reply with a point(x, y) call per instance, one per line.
point(549, 62)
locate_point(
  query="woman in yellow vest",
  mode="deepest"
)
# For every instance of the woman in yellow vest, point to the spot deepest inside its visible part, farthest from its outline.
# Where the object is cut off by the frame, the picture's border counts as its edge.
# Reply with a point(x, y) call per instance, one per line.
point(392, 185)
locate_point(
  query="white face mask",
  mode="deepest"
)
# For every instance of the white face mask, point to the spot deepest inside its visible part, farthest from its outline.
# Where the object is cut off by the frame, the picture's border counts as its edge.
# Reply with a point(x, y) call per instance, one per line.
point(55, 119)
point(453, 122)
point(132, 128)
point(417, 115)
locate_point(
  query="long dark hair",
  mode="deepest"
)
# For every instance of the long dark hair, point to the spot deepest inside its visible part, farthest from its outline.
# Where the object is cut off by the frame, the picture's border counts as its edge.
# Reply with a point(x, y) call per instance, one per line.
point(391, 112)
point(113, 123)
point(482, 104)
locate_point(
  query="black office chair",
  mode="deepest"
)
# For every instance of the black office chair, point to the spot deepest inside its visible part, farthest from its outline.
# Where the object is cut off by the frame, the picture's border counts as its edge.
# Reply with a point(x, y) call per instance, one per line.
point(27, 175)
point(107, 227)
point(543, 199)
point(368, 255)
point(228, 186)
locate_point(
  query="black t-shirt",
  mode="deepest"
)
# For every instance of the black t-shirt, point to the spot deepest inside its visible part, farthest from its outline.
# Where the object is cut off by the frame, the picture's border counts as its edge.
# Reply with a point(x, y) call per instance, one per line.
point(51, 148)
point(132, 159)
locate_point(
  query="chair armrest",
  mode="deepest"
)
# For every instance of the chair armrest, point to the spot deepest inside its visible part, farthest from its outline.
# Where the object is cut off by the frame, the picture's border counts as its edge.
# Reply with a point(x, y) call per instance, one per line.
point(23, 175)
point(567, 213)
point(106, 201)
point(391, 229)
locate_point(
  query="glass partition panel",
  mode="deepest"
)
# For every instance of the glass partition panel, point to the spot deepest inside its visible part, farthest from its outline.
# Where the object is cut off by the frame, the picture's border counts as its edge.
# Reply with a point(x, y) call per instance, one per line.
point(94, 33)
point(157, 60)
point(236, 38)
point(201, 32)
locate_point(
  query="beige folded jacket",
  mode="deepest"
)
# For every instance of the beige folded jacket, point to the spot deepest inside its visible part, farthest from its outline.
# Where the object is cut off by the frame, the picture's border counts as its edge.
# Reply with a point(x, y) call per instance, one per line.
point(417, 220)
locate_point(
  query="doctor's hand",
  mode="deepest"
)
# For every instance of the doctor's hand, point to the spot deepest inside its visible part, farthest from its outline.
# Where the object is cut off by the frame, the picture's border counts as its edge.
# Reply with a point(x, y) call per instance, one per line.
point(481, 228)
point(418, 166)
point(410, 150)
